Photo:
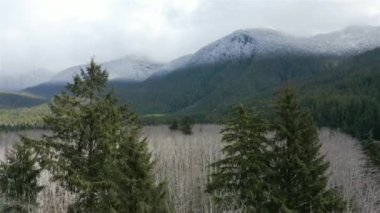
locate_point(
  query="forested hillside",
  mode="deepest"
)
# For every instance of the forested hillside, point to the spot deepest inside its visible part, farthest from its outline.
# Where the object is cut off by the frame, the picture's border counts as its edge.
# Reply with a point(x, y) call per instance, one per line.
point(348, 96)
point(29, 117)
point(47, 90)
point(211, 89)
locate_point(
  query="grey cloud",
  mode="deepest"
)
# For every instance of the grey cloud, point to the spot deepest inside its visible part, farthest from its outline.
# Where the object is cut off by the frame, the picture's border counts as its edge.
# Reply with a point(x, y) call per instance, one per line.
point(160, 31)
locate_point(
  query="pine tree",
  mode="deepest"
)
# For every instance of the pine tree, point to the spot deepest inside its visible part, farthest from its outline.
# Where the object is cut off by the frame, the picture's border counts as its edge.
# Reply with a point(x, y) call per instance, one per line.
point(95, 149)
point(173, 125)
point(240, 178)
point(371, 149)
point(18, 178)
point(300, 182)
point(186, 125)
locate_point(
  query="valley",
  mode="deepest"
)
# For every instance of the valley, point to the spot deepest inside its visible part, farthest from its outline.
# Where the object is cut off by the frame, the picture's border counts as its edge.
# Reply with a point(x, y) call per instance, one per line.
point(267, 80)
point(183, 162)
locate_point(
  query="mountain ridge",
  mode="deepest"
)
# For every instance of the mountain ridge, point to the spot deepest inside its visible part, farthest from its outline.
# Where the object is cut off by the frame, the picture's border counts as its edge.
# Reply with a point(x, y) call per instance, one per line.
point(130, 67)
point(242, 44)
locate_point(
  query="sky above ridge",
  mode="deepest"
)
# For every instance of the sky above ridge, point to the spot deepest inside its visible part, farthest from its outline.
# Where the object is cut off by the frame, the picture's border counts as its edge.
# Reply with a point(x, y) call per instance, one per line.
point(49, 35)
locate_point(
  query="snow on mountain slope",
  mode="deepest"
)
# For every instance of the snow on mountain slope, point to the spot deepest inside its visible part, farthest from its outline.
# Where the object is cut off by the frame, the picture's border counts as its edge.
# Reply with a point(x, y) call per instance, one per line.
point(243, 44)
point(127, 68)
point(351, 40)
point(175, 64)
point(266, 42)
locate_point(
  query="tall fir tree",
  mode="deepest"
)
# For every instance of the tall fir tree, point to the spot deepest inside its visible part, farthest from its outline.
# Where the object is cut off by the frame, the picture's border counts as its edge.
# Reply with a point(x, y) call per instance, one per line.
point(371, 148)
point(95, 150)
point(240, 178)
point(19, 178)
point(186, 125)
point(173, 125)
point(300, 180)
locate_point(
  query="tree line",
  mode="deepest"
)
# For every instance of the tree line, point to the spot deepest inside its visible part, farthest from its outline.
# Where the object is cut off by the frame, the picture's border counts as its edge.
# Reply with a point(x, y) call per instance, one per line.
point(96, 152)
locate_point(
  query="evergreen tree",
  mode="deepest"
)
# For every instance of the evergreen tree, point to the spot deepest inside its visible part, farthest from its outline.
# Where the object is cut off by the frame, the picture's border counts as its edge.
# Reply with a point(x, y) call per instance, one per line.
point(371, 149)
point(95, 149)
point(173, 125)
point(300, 180)
point(18, 178)
point(240, 178)
point(186, 125)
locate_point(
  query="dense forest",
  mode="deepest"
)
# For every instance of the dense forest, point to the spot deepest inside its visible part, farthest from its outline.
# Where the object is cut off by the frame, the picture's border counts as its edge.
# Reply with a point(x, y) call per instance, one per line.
point(30, 117)
point(348, 96)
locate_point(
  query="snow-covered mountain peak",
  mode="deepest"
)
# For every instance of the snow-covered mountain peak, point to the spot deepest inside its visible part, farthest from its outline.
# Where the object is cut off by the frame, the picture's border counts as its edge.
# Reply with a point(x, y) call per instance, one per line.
point(136, 68)
point(241, 37)
point(267, 42)
point(244, 44)
point(238, 44)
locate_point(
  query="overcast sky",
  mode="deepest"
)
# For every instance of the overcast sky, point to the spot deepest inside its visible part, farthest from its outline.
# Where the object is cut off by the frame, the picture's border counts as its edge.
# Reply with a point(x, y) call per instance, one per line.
point(55, 34)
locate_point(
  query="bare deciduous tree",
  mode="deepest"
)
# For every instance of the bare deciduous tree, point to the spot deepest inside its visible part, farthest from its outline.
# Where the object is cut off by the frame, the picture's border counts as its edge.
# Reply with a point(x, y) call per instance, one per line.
point(183, 162)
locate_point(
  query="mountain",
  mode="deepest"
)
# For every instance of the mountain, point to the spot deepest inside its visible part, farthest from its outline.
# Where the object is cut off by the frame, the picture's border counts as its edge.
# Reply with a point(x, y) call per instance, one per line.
point(239, 67)
point(20, 81)
point(210, 89)
point(128, 68)
point(240, 45)
point(19, 100)
point(175, 64)
point(350, 41)
point(244, 44)
point(46, 90)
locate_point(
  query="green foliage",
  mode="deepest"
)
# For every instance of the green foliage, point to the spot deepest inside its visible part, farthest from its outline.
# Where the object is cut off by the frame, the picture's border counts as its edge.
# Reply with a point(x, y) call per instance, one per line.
point(95, 150)
point(372, 149)
point(300, 181)
point(173, 125)
point(18, 178)
point(240, 178)
point(30, 117)
point(282, 174)
point(186, 125)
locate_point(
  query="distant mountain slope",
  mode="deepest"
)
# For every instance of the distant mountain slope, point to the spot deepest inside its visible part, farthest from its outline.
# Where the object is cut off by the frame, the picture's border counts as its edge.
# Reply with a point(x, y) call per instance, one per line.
point(209, 89)
point(244, 44)
point(46, 90)
point(127, 68)
point(352, 40)
point(14, 81)
point(15, 100)
point(347, 96)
